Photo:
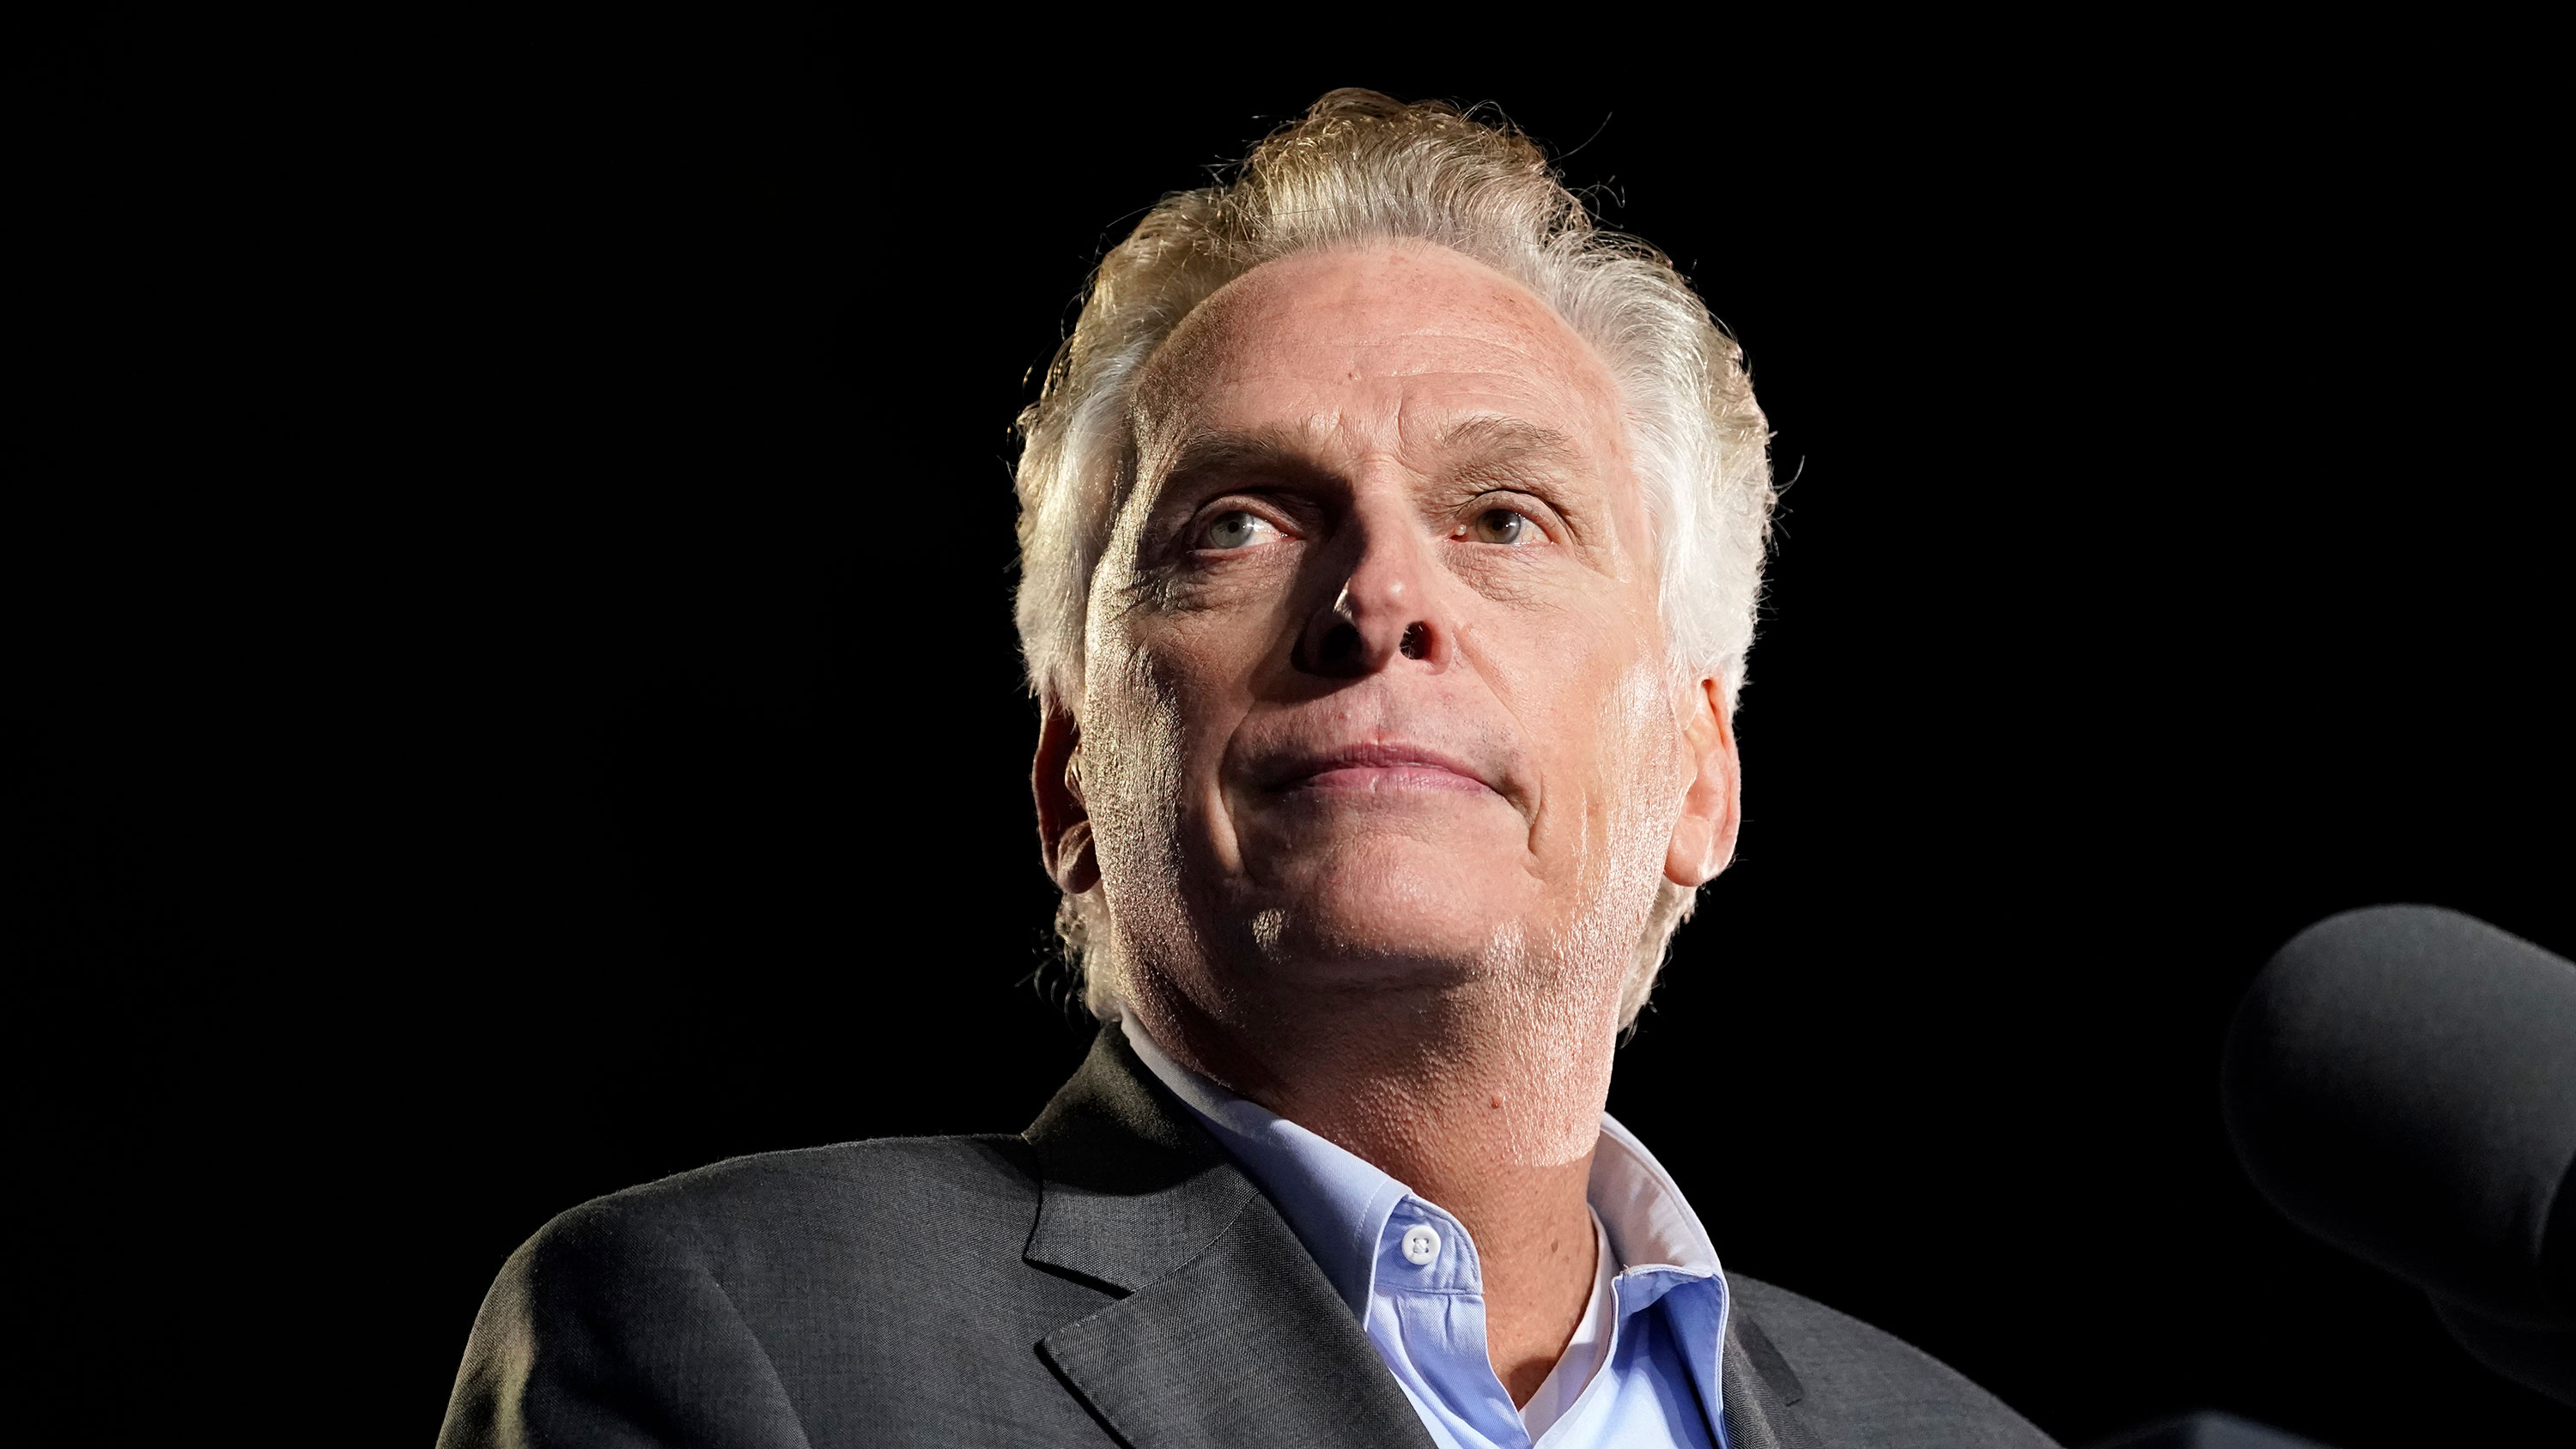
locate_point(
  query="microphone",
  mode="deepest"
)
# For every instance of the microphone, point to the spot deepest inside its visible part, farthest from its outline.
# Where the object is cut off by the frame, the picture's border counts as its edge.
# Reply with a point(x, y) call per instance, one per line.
point(2401, 1082)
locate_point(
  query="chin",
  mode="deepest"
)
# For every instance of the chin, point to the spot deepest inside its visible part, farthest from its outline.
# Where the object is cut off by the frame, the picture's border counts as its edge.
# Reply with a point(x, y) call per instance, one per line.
point(1393, 916)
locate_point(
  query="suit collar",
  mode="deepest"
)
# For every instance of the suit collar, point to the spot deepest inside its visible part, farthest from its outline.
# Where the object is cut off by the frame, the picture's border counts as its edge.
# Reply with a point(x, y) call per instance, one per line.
point(1133, 1187)
point(1760, 1389)
point(1225, 1331)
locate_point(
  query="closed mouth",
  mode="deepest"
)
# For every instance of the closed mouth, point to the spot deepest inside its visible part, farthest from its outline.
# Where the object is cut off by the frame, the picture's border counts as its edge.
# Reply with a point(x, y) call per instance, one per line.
point(1379, 768)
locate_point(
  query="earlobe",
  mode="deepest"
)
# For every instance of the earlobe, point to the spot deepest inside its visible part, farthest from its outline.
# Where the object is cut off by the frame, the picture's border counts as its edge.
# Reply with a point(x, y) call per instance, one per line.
point(1077, 868)
point(1704, 835)
point(1064, 817)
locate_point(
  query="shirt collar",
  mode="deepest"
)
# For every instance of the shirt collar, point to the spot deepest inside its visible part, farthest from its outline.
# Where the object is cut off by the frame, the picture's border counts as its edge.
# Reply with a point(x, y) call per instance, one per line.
point(1651, 1225)
point(1338, 1204)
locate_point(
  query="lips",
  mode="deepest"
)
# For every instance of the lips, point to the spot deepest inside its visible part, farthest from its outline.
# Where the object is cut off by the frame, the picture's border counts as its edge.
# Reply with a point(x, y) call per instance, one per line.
point(1378, 768)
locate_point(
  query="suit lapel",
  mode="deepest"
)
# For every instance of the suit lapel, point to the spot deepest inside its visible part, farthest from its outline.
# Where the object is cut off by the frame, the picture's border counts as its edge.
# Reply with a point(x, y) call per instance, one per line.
point(1760, 1389)
point(1226, 1332)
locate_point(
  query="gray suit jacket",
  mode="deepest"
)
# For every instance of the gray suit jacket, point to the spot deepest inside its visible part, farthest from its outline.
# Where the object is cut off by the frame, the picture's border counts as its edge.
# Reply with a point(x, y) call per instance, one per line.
point(1107, 1277)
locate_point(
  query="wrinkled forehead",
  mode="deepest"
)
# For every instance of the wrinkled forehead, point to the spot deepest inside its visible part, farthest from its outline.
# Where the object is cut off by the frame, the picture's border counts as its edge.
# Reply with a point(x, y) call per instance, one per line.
point(1392, 347)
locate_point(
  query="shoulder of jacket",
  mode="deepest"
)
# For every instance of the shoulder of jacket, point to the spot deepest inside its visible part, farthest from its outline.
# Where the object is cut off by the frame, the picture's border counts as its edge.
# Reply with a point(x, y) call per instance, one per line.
point(1832, 1354)
point(850, 1187)
point(1793, 1318)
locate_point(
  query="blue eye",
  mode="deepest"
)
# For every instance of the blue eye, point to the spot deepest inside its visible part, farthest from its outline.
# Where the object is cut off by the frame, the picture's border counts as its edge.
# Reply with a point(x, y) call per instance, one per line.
point(1237, 529)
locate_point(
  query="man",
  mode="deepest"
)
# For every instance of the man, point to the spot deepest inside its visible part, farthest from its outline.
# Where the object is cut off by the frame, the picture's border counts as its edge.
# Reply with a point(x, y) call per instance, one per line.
point(1390, 542)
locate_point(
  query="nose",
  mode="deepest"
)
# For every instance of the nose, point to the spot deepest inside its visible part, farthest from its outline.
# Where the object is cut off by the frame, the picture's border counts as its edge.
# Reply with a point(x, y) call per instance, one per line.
point(1383, 611)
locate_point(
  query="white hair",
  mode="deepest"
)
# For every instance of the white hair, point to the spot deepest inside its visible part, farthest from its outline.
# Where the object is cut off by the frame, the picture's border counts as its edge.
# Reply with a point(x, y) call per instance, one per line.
point(1357, 168)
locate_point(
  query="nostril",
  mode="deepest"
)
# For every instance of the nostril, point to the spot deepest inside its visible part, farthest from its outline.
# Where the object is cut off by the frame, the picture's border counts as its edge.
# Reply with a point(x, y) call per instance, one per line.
point(1416, 641)
point(1341, 644)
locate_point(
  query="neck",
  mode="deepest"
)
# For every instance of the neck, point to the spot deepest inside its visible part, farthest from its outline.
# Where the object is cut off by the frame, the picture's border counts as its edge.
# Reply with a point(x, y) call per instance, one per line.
point(1484, 1098)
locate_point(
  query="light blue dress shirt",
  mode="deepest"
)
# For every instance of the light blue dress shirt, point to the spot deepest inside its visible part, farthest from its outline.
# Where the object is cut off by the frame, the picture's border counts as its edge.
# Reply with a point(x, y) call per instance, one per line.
point(1642, 1371)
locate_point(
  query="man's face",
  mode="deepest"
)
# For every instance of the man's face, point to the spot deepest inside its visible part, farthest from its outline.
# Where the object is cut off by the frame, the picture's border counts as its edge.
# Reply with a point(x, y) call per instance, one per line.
point(1376, 690)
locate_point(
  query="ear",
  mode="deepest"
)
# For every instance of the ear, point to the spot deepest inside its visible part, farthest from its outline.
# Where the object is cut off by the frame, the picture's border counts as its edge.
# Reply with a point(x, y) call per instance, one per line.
point(1064, 821)
point(1704, 836)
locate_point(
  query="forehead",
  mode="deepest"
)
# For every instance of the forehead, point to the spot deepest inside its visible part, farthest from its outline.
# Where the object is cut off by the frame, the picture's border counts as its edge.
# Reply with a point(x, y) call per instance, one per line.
point(1384, 346)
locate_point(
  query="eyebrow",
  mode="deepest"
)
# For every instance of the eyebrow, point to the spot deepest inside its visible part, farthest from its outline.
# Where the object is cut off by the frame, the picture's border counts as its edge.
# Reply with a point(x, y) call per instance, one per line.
point(1498, 436)
point(1277, 449)
point(1483, 439)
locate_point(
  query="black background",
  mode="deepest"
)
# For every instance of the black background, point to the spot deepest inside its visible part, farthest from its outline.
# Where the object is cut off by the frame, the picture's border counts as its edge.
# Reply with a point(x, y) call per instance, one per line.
point(511, 690)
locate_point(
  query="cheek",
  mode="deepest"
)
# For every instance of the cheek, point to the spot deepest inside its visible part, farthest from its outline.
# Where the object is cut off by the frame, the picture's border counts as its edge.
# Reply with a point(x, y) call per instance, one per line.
point(1593, 703)
point(1624, 728)
point(1577, 680)
point(1641, 743)
point(1161, 708)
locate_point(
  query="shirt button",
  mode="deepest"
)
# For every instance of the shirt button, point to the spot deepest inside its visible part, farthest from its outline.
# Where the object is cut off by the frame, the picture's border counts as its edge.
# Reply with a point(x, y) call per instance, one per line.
point(1421, 1245)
